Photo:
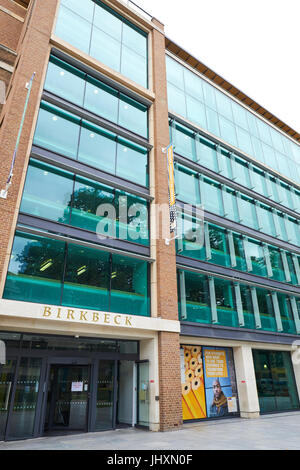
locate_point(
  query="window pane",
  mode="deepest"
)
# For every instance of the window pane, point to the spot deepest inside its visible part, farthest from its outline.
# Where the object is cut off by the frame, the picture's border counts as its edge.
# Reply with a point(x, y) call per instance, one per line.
point(192, 237)
point(256, 253)
point(101, 99)
point(185, 142)
point(247, 212)
point(230, 205)
point(176, 100)
point(227, 131)
point(239, 252)
point(57, 131)
point(174, 73)
point(212, 197)
point(65, 81)
point(207, 155)
point(129, 286)
point(248, 313)
point(134, 66)
point(97, 148)
point(276, 263)
point(197, 298)
point(105, 49)
point(132, 218)
point(266, 311)
point(134, 40)
point(244, 140)
point(87, 197)
point(286, 314)
point(73, 29)
point(226, 309)
point(196, 111)
point(39, 198)
point(241, 172)
point(187, 186)
point(193, 84)
point(218, 246)
point(132, 163)
point(108, 22)
point(35, 270)
point(212, 121)
point(86, 280)
point(265, 217)
point(133, 116)
point(85, 10)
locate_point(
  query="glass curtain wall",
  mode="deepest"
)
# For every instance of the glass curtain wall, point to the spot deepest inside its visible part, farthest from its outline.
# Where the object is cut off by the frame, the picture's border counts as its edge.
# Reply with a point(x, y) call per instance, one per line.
point(197, 100)
point(102, 33)
point(84, 203)
point(195, 189)
point(75, 138)
point(212, 300)
point(208, 242)
point(82, 89)
point(44, 270)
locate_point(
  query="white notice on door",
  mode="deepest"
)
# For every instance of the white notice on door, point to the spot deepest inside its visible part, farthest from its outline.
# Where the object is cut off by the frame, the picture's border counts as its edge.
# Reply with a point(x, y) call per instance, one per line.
point(77, 387)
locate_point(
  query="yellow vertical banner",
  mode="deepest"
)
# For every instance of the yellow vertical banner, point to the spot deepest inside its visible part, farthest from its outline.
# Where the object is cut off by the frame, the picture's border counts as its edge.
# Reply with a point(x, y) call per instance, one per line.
point(171, 175)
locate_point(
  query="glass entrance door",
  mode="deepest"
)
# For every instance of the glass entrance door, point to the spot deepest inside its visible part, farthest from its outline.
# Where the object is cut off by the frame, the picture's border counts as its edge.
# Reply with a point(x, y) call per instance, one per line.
point(143, 393)
point(7, 372)
point(275, 381)
point(68, 398)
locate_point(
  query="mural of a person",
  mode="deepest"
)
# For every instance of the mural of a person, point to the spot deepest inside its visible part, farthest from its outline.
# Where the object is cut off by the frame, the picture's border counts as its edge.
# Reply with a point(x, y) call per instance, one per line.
point(219, 405)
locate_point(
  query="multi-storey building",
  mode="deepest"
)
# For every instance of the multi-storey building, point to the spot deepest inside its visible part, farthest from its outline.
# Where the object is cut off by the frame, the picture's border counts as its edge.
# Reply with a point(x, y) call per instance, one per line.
point(108, 320)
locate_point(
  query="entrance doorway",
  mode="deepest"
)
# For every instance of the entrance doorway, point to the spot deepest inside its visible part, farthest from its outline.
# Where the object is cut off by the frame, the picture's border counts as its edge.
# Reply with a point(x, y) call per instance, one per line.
point(68, 398)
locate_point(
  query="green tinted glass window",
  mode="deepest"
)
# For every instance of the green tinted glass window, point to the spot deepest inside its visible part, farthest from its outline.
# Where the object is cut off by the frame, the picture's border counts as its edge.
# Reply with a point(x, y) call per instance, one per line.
point(35, 270)
point(286, 313)
point(65, 81)
point(196, 111)
point(266, 310)
point(47, 192)
point(187, 185)
point(57, 131)
point(73, 29)
point(86, 282)
point(247, 212)
point(132, 218)
point(239, 252)
point(256, 254)
point(197, 298)
point(185, 142)
point(206, 154)
point(225, 301)
point(101, 99)
point(133, 116)
point(97, 148)
point(106, 36)
point(218, 246)
point(248, 314)
point(132, 163)
point(192, 237)
point(129, 286)
point(276, 263)
point(211, 196)
point(87, 199)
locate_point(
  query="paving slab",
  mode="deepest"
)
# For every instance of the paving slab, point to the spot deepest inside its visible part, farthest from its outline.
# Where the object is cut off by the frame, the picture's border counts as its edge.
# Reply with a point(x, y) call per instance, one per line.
point(268, 432)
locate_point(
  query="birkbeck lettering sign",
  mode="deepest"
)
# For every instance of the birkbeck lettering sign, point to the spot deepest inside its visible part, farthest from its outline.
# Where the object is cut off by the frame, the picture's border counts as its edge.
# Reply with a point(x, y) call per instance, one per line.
point(55, 313)
point(70, 314)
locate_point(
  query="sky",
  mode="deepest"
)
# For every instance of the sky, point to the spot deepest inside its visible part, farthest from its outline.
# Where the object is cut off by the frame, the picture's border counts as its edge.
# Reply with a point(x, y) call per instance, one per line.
point(252, 44)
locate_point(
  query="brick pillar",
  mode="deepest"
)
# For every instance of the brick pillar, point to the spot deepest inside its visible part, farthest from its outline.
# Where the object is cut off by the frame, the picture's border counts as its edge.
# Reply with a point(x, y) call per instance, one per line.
point(33, 53)
point(166, 285)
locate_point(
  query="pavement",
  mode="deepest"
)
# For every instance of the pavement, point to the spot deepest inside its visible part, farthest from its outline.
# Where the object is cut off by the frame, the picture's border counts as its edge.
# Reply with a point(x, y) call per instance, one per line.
point(268, 432)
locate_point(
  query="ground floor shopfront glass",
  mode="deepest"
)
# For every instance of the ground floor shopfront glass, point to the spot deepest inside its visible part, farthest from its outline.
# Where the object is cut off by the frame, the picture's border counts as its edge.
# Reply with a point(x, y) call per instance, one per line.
point(209, 388)
point(275, 380)
point(53, 384)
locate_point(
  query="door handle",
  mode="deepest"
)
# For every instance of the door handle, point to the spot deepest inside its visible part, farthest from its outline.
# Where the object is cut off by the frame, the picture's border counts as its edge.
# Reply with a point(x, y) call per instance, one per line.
point(7, 396)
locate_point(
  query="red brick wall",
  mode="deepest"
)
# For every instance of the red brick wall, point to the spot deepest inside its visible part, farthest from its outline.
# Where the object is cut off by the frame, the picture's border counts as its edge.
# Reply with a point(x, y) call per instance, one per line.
point(167, 304)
